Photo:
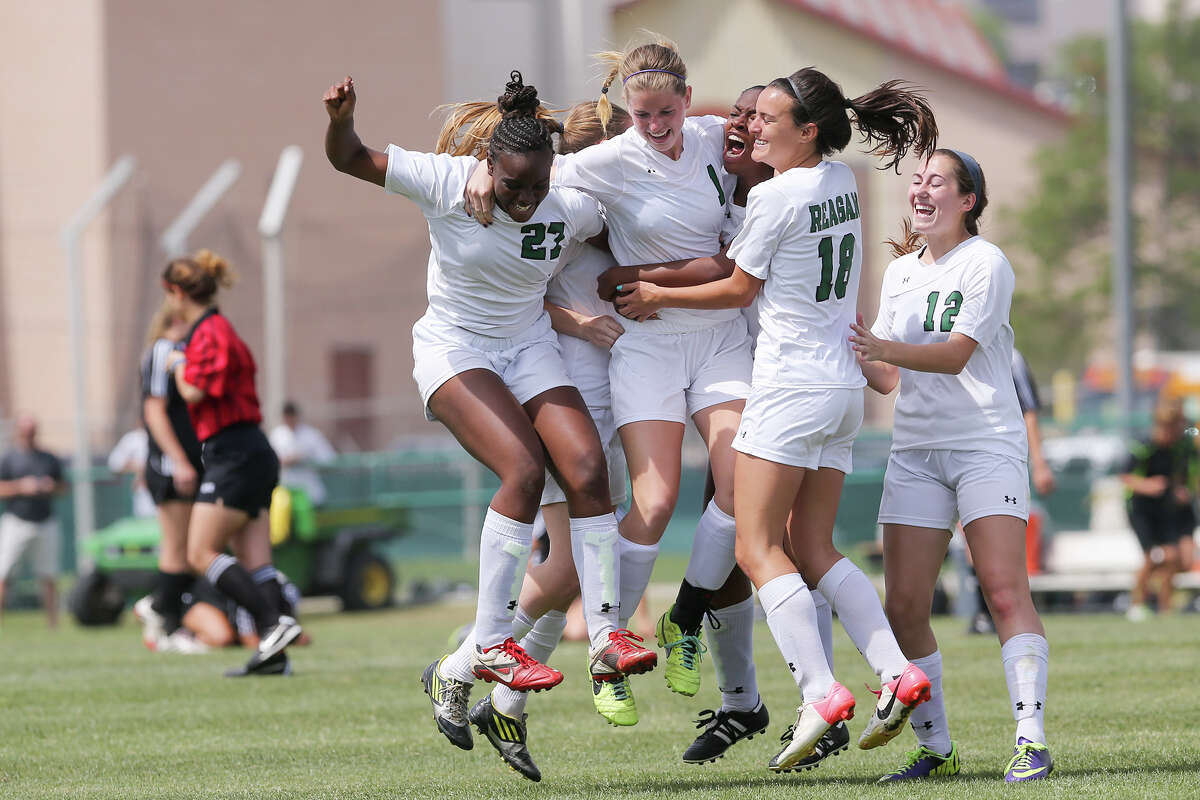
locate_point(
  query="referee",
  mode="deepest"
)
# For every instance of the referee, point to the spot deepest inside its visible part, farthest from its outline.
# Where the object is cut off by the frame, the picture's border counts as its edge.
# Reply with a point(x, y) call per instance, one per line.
point(172, 471)
point(215, 376)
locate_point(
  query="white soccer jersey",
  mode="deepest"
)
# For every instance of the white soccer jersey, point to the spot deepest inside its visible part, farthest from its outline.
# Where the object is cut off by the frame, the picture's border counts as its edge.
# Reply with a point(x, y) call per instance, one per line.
point(803, 237)
point(968, 291)
point(735, 217)
point(574, 287)
point(489, 281)
point(659, 210)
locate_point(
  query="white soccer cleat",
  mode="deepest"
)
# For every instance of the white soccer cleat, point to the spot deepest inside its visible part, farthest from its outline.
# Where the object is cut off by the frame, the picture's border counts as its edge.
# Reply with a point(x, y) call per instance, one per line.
point(153, 623)
point(897, 699)
point(812, 721)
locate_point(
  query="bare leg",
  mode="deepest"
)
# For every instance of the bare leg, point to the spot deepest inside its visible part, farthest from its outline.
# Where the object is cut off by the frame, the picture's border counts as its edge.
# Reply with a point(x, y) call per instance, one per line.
point(998, 544)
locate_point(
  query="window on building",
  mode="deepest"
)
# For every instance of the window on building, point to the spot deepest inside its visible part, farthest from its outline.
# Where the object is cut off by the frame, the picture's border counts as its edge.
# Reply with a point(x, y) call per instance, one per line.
point(352, 390)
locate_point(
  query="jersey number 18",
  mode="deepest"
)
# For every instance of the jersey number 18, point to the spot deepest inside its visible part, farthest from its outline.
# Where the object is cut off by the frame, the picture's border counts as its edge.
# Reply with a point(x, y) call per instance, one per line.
point(845, 262)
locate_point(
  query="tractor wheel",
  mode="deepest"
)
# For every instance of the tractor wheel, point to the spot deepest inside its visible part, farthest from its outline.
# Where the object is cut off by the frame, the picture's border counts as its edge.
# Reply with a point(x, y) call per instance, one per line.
point(369, 582)
point(96, 600)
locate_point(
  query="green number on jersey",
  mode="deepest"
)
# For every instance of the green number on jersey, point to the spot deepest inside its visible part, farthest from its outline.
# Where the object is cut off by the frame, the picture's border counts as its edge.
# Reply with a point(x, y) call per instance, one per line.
point(845, 262)
point(535, 235)
point(953, 305)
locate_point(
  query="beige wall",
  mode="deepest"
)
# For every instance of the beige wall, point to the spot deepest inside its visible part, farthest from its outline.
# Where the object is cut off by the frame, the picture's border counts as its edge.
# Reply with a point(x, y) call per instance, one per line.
point(730, 46)
point(52, 153)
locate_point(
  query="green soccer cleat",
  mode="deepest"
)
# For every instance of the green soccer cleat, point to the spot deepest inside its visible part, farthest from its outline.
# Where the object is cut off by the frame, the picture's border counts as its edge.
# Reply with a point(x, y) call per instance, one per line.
point(684, 652)
point(924, 763)
point(614, 701)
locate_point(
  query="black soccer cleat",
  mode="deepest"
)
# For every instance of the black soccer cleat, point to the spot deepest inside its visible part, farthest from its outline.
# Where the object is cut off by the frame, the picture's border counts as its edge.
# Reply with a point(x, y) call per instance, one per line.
point(832, 742)
point(449, 698)
point(508, 735)
point(722, 730)
point(277, 665)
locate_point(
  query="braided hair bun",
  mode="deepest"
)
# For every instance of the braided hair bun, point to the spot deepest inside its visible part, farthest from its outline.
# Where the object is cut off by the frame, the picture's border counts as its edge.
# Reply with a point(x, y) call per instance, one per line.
point(518, 99)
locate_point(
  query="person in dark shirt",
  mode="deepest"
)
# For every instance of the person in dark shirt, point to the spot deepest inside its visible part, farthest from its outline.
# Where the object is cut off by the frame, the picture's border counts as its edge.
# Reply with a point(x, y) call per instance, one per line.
point(172, 472)
point(215, 377)
point(29, 478)
point(1159, 501)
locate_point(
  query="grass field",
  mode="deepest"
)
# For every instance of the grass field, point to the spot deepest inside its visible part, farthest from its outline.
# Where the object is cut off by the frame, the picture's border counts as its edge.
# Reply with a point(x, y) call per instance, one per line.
point(91, 714)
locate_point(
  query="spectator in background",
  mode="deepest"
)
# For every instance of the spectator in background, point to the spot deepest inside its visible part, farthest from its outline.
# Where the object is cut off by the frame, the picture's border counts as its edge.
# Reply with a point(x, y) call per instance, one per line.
point(1159, 502)
point(129, 455)
point(29, 478)
point(300, 448)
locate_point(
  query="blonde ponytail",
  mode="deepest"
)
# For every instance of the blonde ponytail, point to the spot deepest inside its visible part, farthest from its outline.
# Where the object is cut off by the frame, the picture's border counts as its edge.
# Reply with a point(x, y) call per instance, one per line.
point(603, 106)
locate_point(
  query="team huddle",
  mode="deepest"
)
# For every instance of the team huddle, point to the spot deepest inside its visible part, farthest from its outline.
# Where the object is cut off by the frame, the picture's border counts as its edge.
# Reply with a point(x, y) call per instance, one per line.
point(597, 282)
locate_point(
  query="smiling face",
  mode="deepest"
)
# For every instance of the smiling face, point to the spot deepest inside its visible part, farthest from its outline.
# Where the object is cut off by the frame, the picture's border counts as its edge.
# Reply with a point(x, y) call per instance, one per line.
point(738, 151)
point(521, 181)
point(777, 140)
point(658, 116)
point(939, 208)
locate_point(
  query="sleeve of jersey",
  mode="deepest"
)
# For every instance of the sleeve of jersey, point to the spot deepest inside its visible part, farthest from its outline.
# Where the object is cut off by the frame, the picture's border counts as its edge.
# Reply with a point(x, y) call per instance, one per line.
point(987, 295)
point(434, 181)
point(755, 245)
point(596, 170)
point(155, 377)
point(587, 215)
point(207, 361)
point(882, 327)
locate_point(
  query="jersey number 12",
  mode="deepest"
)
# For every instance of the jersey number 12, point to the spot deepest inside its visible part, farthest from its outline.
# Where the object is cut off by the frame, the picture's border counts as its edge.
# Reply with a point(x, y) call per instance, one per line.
point(953, 303)
point(845, 262)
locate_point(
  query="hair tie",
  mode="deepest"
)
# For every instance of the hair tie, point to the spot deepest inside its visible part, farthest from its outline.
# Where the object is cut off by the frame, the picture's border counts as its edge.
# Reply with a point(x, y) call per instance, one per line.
point(973, 170)
point(848, 103)
point(604, 90)
point(641, 71)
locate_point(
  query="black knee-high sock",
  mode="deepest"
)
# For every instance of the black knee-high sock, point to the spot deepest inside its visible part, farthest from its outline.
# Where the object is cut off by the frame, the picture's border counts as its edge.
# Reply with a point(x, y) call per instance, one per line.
point(168, 598)
point(690, 605)
point(232, 578)
point(268, 583)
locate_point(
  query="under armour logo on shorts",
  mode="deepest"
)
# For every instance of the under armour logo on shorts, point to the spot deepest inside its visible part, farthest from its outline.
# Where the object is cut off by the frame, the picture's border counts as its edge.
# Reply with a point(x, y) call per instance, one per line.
point(1008, 499)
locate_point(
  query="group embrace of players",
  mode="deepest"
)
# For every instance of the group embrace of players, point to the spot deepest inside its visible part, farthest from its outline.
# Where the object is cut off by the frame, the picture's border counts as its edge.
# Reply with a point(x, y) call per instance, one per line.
point(595, 283)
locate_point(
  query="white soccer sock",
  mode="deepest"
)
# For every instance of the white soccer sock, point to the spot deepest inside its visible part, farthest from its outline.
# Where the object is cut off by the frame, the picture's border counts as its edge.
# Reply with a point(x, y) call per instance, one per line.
point(458, 664)
point(853, 597)
point(793, 622)
point(712, 558)
point(637, 563)
point(596, 547)
point(928, 720)
point(824, 624)
point(539, 643)
point(1026, 658)
point(732, 648)
point(522, 623)
point(503, 550)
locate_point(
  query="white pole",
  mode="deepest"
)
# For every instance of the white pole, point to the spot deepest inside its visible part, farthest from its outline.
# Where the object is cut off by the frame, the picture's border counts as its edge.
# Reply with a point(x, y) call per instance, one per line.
point(1119, 191)
point(270, 228)
point(70, 237)
point(174, 238)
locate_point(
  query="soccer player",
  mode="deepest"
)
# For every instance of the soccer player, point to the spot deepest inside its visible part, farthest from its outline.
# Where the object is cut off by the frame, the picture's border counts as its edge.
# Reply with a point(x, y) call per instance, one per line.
point(587, 328)
point(959, 450)
point(488, 366)
point(172, 471)
point(215, 377)
point(662, 187)
point(801, 246)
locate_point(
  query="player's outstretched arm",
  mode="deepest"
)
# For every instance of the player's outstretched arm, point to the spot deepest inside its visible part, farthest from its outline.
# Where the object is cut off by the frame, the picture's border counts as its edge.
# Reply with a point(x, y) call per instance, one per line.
point(685, 272)
point(344, 149)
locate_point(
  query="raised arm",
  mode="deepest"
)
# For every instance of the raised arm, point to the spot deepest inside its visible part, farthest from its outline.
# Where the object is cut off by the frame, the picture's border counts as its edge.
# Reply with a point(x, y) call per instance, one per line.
point(344, 149)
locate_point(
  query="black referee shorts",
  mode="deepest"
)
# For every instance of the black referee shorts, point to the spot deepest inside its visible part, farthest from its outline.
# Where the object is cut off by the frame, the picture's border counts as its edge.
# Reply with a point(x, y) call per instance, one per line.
point(1156, 524)
point(162, 487)
point(240, 469)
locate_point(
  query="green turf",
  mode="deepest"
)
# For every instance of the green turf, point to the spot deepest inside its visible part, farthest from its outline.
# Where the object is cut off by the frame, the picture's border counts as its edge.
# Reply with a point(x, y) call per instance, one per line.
point(91, 714)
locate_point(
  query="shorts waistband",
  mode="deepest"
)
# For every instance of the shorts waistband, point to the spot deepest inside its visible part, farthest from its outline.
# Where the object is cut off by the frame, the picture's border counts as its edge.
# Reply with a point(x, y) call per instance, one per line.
point(441, 328)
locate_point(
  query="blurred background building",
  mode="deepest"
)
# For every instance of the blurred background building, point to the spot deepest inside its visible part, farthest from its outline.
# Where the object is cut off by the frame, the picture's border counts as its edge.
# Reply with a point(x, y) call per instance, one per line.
point(183, 86)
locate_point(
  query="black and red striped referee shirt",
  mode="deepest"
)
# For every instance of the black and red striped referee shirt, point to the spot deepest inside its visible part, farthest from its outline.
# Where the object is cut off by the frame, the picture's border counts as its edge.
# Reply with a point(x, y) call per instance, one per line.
point(221, 366)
